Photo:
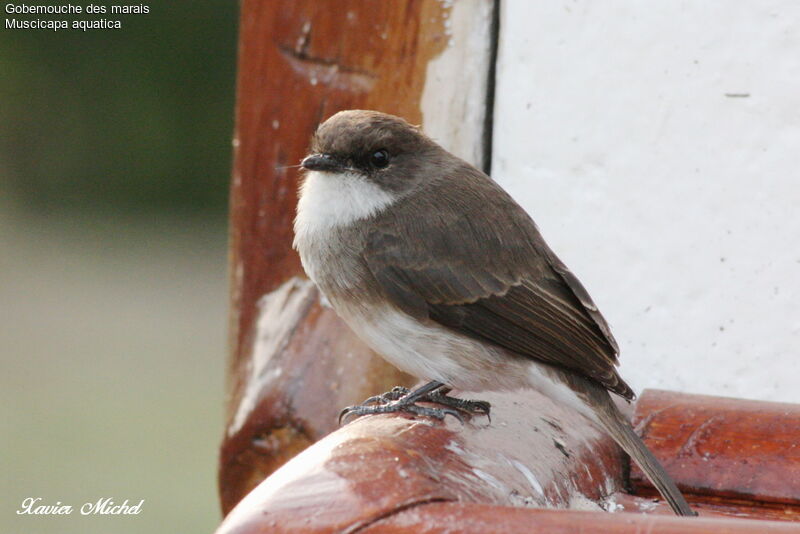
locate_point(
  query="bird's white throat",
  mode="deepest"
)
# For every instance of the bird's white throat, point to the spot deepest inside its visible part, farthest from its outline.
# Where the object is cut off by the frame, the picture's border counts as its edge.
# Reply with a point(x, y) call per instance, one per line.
point(328, 200)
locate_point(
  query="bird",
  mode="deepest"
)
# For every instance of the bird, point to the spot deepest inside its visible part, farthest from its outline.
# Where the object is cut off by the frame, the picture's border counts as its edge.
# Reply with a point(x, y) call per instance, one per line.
point(441, 272)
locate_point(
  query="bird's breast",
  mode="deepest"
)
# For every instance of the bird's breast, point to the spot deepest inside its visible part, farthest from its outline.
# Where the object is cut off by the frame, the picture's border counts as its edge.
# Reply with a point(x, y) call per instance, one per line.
point(333, 218)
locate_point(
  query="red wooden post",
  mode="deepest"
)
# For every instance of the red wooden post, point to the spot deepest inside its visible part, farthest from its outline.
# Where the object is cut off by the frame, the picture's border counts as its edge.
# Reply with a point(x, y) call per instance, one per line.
point(293, 364)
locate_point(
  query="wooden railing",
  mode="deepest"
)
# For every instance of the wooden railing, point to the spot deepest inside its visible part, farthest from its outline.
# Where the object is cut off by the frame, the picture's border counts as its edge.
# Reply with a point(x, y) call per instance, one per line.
point(293, 364)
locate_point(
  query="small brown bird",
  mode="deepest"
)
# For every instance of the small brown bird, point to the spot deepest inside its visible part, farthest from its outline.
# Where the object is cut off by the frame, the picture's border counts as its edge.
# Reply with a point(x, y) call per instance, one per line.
point(441, 272)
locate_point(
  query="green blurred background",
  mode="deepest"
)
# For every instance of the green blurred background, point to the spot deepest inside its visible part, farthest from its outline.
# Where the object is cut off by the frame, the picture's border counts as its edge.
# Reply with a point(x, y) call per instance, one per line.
point(114, 166)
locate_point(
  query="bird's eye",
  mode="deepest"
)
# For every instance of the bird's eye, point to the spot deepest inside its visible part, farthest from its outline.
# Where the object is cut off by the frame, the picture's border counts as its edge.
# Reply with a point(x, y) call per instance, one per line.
point(379, 158)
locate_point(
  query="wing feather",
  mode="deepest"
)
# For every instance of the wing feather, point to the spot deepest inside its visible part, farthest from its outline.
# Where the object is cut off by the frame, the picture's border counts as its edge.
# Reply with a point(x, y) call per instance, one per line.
point(497, 281)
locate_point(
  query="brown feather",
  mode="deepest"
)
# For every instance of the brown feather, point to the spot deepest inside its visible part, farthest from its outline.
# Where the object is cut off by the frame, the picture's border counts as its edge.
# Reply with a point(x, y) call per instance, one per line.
point(480, 267)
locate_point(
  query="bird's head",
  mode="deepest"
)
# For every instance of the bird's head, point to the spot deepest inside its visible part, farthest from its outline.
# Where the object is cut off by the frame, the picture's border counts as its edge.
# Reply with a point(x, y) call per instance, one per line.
point(379, 148)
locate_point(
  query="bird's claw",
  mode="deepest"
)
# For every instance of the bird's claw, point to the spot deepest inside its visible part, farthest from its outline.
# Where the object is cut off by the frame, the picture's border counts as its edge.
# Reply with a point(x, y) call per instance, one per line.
point(473, 407)
point(394, 394)
point(398, 406)
point(395, 401)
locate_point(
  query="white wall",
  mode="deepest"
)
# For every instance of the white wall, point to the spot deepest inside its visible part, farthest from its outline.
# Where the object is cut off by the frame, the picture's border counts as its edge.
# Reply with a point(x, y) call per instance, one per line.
point(671, 199)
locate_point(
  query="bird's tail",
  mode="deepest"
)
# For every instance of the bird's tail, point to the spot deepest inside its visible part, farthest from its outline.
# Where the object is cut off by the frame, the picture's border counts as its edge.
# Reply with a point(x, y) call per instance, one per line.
point(622, 432)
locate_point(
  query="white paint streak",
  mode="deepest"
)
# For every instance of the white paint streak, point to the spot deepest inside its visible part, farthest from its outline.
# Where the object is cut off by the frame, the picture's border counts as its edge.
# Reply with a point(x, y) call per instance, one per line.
point(454, 97)
point(454, 447)
point(578, 501)
point(529, 476)
point(279, 312)
point(611, 505)
point(491, 480)
point(646, 506)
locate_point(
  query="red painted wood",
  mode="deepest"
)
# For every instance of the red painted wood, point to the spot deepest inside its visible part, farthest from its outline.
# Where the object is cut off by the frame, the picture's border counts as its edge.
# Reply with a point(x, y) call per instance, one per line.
point(395, 474)
point(300, 61)
point(727, 448)
point(441, 518)
point(532, 453)
point(712, 506)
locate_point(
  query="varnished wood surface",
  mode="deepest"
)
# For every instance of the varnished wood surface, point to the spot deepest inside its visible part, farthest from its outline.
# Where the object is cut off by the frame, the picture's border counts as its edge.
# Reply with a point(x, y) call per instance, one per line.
point(532, 453)
point(395, 474)
point(441, 518)
point(710, 506)
point(300, 61)
point(294, 387)
point(727, 448)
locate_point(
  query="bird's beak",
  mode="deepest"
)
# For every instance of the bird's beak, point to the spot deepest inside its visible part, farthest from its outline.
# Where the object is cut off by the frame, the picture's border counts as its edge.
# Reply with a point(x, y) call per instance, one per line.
point(322, 162)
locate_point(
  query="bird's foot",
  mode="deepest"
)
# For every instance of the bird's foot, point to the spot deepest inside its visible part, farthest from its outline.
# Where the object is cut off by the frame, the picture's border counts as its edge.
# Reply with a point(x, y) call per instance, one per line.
point(395, 407)
point(472, 407)
point(401, 399)
point(394, 394)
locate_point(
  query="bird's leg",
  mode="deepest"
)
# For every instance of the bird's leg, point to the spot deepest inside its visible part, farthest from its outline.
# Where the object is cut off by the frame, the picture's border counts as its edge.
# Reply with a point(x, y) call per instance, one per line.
point(394, 394)
point(401, 399)
point(473, 407)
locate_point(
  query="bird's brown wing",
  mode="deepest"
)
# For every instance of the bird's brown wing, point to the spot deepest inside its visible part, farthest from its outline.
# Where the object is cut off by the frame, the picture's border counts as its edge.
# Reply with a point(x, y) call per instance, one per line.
point(481, 268)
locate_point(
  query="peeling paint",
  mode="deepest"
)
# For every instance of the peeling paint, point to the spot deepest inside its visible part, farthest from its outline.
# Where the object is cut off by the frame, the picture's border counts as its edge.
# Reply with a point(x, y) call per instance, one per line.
point(529, 476)
point(279, 313)
point(329, 72)
point(454, 97)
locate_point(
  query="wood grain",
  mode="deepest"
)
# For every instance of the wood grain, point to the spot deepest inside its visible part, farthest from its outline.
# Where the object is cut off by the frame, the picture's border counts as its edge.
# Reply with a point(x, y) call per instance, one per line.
point(300, 61)
point(711, 506)
point(441, 518)
point(727, 448)
point(397, 475)
point(532, 453)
